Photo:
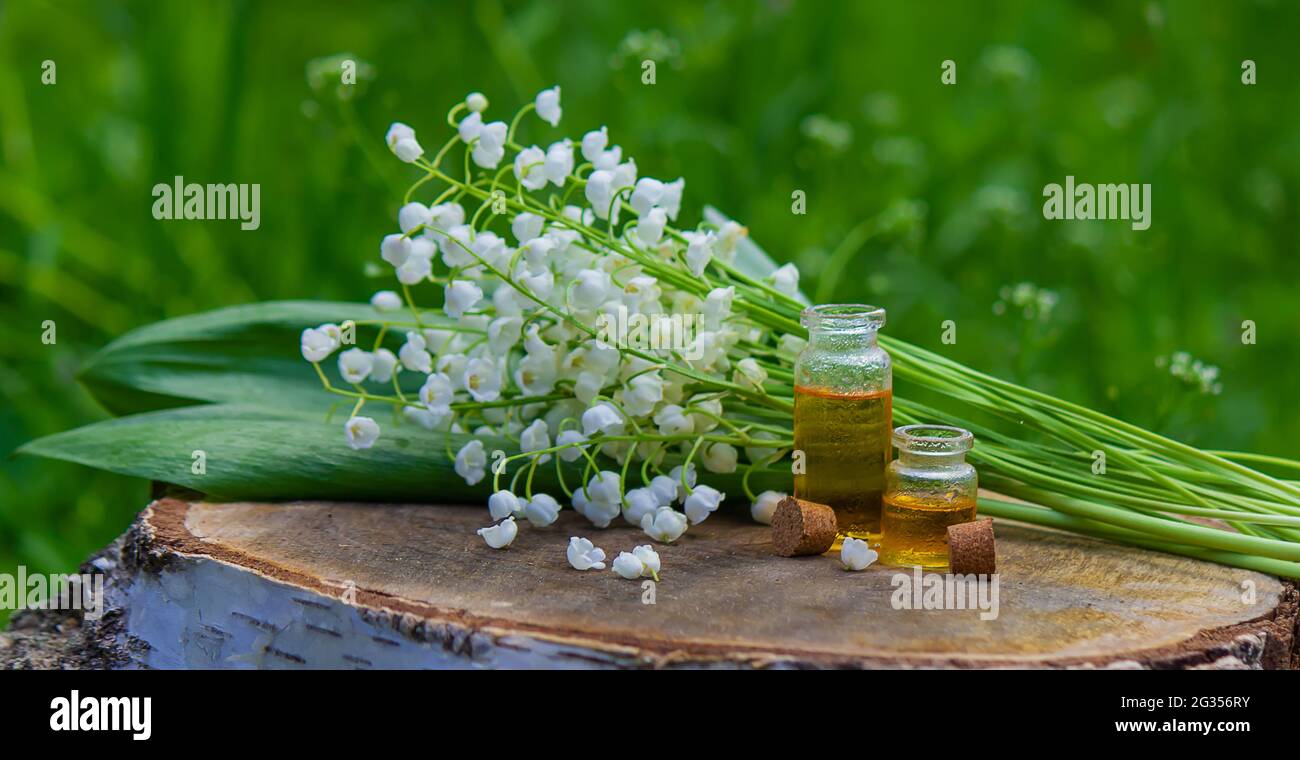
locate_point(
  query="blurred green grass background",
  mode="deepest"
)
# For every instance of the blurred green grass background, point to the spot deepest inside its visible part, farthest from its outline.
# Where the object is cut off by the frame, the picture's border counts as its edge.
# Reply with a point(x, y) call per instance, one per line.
point(921, 197)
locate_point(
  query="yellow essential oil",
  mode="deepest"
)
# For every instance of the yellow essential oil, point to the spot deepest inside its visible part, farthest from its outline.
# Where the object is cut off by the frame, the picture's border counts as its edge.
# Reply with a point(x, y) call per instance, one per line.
point(927, 488)
point(914, 529)
point(845, 440)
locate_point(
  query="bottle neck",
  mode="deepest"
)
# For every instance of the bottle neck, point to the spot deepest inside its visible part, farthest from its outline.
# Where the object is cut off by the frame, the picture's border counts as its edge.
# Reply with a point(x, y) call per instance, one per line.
point(930, 460)
point(842, 340)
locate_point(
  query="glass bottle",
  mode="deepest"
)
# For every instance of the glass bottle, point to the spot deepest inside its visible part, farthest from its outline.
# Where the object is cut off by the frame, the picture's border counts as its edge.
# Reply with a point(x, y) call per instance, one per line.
point(843, 415)
point(929, 487)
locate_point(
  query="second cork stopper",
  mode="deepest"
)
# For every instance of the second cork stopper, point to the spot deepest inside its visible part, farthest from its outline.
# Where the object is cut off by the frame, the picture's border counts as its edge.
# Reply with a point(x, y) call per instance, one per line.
point(802, 527)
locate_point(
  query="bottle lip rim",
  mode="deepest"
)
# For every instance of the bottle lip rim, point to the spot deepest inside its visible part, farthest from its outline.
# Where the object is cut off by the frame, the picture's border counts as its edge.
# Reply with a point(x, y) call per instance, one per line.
point(952, 440)
point(843, 316)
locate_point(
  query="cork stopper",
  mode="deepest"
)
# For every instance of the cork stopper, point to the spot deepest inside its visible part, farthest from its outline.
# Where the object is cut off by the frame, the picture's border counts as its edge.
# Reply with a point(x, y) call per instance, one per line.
point(802, 527)
point(971, 550)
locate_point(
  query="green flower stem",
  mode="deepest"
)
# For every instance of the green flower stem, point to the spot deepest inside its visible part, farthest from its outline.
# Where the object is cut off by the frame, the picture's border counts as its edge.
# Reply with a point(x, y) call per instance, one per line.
point(1053, 519)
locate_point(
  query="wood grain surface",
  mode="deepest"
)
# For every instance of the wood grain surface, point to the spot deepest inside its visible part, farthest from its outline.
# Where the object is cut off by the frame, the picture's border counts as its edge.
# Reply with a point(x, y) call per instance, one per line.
point(724, 598)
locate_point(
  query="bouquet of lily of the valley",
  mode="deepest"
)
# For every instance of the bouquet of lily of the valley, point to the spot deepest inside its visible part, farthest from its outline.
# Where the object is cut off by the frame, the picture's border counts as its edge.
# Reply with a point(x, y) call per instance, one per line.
point(584, 336)
point(578, 324)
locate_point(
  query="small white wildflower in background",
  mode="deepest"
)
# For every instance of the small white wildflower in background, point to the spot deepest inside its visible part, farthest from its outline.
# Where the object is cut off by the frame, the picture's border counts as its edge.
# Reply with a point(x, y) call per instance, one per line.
point(355, 365)
point(583, 555)
point(665, 525)
point(361, 432)
point(503, 504)
point(401, 141)
point(763, 507)
point(548, 106)
point(471, 462)
point(501, 535)
point(1032, 301)
point(542, 510)
point(476, 102)
point(1193, 373)
point(386, 300)
point(856, 555)
point(702, 502)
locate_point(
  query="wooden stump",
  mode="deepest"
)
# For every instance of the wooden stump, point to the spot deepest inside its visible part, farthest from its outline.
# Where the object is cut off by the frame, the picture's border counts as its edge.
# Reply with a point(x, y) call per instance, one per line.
point(331, 585)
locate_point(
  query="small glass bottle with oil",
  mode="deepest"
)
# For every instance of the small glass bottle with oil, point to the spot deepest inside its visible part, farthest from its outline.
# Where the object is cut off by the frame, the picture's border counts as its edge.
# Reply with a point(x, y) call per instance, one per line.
point(843, 415)
point(929, 487)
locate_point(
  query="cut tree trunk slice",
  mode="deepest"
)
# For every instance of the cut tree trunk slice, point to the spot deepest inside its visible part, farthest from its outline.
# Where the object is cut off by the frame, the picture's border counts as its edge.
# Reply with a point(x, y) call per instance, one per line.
point(330, 585)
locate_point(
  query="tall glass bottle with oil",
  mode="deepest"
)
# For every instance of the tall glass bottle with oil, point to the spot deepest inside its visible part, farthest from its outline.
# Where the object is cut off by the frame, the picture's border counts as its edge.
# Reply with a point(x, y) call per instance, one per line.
point(843, 415)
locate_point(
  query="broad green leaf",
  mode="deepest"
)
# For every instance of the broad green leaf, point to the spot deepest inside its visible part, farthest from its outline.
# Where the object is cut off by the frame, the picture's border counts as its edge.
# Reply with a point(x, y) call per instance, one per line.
point(243, 355)
point(253, 452)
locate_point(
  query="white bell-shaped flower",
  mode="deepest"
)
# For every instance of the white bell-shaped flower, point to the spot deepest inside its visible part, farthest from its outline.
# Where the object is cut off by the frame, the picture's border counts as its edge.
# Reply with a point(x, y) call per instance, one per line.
point(628, 565)
point(565, 438)
point(471, 462)
point(530, 168)
point(702, 502)
point(665, 525)
point(855, 554)
point(437, 393)
point(459, 296)
point(355, 365)
point(763, 507)
point(483, 379)
point(639, 502)
point(503, 504)
point(501, 535)
point(542, 510)
point(384, 366)
point(413, 355)
point(583, 555)
point(548, 106)
point(535, 437)
point(361, 432)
